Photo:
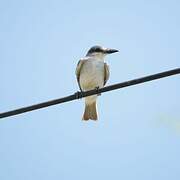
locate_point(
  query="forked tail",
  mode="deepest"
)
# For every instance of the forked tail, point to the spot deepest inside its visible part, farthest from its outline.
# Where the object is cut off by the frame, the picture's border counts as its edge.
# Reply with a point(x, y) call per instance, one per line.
point(90, 112)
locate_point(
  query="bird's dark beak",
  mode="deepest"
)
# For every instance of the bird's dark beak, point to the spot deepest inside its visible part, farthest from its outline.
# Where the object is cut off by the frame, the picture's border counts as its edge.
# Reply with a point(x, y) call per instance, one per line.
point(110, 51)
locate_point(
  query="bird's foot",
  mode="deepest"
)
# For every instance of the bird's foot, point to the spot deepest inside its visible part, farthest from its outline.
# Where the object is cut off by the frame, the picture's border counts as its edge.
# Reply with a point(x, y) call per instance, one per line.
point(79, 94)
point(97, 90)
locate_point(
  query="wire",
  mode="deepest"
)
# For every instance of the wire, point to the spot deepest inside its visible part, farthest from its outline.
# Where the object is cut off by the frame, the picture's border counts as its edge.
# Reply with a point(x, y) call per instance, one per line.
point(79, 95)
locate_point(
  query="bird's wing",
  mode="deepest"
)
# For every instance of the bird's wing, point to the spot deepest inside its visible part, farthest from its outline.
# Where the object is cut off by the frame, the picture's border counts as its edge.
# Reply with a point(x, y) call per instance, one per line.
point(78, 71)
point(106, 73)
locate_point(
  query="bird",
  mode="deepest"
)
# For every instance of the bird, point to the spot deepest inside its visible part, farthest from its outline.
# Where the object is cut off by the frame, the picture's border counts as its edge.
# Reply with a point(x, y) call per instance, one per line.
point(92, 72)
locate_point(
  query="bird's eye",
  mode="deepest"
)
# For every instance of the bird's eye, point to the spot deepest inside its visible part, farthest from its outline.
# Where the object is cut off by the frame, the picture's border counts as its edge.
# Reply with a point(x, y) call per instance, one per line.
point(98, 50)
point(95, 49)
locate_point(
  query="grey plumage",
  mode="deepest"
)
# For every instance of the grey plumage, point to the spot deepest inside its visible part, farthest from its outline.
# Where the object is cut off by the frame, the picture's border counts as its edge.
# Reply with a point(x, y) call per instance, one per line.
point(92, 72)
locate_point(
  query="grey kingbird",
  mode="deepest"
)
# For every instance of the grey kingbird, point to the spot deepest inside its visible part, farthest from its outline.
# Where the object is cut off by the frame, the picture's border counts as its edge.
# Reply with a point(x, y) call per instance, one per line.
point(92, 72)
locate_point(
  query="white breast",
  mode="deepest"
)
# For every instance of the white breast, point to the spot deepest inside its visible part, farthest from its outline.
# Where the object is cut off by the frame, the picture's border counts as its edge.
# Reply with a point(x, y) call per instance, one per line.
point(92, 74)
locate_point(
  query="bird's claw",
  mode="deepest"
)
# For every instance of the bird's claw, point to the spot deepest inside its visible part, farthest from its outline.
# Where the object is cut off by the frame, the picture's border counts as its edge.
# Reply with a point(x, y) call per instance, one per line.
point(97, 90)
point(79, 94)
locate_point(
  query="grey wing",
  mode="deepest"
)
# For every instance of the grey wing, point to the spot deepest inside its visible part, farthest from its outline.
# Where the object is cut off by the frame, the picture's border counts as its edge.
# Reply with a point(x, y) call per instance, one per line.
point(78, 71)
point(106, 73)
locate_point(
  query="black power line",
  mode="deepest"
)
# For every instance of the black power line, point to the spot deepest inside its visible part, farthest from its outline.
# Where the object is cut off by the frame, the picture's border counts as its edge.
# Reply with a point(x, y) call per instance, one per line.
point(79, 95)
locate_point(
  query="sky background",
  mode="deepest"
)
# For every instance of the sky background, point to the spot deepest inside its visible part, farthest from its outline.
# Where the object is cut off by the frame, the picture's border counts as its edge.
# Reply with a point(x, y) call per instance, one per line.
point(138, 132)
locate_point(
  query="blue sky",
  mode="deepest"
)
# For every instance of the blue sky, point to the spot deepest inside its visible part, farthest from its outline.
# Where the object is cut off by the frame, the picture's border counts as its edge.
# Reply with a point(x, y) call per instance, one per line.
point(138, 132)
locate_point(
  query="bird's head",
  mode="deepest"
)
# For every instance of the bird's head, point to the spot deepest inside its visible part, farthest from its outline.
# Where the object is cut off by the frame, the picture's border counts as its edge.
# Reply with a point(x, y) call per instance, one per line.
point(99, 51)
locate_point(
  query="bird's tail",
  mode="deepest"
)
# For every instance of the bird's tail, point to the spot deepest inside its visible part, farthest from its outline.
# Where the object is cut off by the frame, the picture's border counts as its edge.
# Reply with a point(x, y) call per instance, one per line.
point(90, 112)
